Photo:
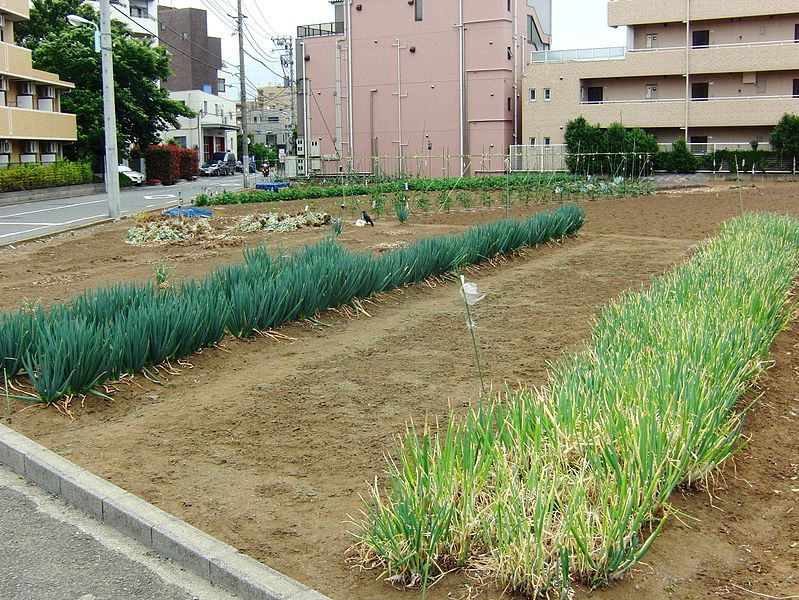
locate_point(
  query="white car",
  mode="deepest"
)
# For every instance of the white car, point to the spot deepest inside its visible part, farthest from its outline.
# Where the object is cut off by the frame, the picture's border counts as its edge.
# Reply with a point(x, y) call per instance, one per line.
point(136, 177)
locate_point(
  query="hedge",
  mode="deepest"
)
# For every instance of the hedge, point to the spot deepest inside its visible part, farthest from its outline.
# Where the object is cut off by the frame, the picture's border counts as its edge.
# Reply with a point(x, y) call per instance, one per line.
point(163, 164)
point(34, 176)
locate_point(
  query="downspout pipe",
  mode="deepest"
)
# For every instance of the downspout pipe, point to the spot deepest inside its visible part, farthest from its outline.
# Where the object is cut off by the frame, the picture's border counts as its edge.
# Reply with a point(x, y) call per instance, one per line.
point(306, 124)
point(461, 85)
point(349, 84)
point(687, 66)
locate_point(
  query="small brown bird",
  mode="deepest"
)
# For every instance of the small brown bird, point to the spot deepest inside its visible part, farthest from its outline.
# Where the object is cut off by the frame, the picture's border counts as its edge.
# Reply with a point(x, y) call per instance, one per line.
point(367, 218)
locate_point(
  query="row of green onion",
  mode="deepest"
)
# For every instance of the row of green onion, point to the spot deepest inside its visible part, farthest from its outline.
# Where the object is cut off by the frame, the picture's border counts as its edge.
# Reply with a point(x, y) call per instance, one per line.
point(110, 332)
point(569, 483)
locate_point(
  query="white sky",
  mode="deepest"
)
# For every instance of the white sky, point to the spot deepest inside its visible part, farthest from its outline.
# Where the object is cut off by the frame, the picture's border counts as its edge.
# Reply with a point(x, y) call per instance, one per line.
point(575, 23)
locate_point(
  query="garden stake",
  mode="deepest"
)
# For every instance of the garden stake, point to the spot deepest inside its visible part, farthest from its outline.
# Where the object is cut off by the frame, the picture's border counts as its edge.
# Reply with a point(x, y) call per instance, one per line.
point(738, 177)
point(471, 297)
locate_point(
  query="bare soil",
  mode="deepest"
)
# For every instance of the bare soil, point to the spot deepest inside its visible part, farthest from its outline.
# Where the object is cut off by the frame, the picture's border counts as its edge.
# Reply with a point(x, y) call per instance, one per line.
point(269, 444)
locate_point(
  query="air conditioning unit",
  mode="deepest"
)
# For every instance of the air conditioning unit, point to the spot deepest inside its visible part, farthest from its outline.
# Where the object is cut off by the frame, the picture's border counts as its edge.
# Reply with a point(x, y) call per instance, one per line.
point(29, 147)
point(47, 91)
point(27, 88)
point(5, 146)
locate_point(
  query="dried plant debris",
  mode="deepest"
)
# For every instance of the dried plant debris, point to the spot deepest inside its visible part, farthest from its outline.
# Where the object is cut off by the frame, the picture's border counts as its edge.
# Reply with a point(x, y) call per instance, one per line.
point(169, 230)
point(279, 221)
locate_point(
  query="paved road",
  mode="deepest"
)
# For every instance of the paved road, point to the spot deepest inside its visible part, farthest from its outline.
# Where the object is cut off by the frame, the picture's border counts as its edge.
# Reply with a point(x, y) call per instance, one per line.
point(51, 551)
point(25, 221)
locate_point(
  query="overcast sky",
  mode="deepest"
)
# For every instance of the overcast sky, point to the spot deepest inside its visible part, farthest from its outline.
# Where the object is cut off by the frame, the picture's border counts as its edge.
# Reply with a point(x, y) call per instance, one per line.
point(576, 24)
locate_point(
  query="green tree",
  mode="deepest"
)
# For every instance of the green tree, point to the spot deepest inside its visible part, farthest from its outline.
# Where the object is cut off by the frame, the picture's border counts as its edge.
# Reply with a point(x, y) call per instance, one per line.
point(785, 136)
point(680, 159)
point(143, 109)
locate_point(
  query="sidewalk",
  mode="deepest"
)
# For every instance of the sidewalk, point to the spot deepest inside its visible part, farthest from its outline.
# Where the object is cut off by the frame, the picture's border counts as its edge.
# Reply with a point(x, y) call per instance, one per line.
point(51, 551)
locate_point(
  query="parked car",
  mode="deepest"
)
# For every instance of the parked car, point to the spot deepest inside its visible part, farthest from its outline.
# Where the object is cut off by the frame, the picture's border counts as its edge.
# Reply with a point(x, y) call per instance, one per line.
point(220, 163)
point(136, 177)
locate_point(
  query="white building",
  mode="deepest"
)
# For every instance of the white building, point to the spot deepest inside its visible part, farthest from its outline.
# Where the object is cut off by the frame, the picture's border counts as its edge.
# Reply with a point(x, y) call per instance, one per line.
point(140, 15)
point(212, 130)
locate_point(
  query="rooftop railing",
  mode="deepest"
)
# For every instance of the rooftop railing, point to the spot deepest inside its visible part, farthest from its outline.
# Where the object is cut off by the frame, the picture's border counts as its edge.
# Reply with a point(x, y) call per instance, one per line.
point(612, 53)
point(320, 29)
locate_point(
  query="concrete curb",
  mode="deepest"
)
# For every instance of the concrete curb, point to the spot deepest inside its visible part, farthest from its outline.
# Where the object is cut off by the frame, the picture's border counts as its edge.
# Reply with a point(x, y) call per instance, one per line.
point(52, 193)
point(187, 546)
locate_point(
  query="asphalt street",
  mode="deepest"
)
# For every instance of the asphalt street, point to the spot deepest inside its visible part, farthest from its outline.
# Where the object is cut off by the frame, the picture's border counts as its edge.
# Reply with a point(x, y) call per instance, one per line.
point(51, 551)
point(21, 222)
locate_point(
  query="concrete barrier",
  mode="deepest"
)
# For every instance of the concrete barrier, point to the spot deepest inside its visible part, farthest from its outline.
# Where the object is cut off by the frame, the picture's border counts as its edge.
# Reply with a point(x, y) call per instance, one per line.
point(53, 193)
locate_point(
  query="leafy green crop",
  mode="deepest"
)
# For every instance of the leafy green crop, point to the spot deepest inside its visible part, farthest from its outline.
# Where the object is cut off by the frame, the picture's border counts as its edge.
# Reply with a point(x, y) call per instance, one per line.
point(106, 333)
point(569, 184)
point(570, 482)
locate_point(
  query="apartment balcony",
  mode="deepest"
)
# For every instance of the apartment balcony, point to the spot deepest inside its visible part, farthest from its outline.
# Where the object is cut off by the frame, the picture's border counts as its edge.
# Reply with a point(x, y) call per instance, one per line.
point(20, 123)
point(639, 12)
point(15, 8)
point(714, 112)
point(782, 55)
point(16, 63)
point(320, 29)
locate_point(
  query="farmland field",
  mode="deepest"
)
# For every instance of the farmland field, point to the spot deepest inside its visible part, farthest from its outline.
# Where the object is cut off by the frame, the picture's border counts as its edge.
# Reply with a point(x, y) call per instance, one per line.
point(268, 444)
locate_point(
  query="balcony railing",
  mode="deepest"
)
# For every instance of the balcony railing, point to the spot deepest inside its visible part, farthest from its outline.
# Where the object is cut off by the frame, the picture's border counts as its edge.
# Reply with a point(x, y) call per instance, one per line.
point(709, 99)
point(320, 29)
point(554, 56)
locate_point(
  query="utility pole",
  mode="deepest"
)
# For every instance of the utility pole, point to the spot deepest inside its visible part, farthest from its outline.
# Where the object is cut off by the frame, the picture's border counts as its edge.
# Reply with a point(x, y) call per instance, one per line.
point(286, 44)
point(109, 113)
point(245, 141)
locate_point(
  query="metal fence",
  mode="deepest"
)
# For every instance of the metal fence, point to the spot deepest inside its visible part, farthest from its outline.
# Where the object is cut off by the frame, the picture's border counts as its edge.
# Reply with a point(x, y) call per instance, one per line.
point(550, 158)
point(712, 158)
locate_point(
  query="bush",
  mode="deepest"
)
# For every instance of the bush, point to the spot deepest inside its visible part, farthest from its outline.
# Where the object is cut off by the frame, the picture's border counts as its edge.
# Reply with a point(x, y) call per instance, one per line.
point(163, 163)
point(785, 136)
point(680, 159)
point(744, 159)
point(32, 177)
point(124, 181)
point(189, 163)
point(615, 151)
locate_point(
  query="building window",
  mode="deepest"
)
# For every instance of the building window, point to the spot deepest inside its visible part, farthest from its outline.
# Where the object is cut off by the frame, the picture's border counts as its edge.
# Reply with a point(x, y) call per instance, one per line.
point(796, 88)
point(509, 104)
point(255, 119)
point(700, 91)
point(532, 141)
point(547, 94)
point(508, 5)
point(418, 10)
point(701, 38)
point(220, 85)
point(273, 119)
point(532, 94)
point(699, 144)
point(510, 53)
point(595, 94)
point(547, 141)
point(205, 106)
point(180, 141)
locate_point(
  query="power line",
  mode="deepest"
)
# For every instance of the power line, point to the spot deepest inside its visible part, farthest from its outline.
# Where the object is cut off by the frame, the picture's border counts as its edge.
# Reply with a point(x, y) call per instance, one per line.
point(258, 8)
point(184, 53)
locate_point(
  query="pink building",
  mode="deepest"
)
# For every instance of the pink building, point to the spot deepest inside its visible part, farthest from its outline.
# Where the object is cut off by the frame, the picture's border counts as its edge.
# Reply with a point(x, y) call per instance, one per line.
point(421, 87)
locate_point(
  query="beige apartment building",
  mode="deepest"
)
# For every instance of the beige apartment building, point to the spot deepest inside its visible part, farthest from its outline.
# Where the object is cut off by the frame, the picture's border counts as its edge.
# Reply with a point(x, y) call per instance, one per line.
point(707, 71)
point(32, 127)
